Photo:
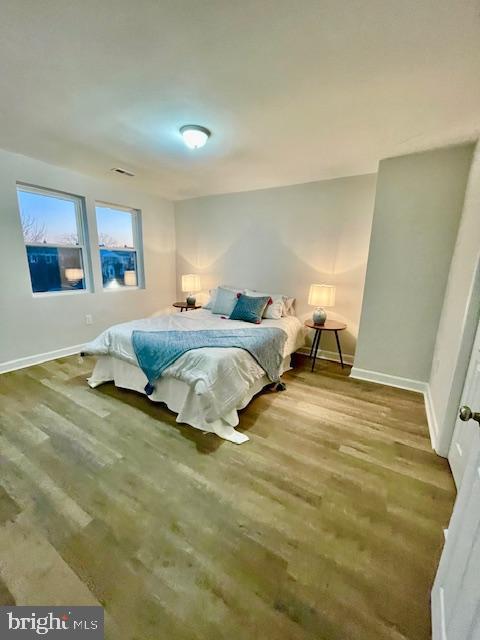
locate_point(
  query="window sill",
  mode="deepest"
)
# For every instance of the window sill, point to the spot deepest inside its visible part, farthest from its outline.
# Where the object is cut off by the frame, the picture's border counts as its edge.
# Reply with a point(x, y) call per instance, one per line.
point(55, 294)
point(124, 288)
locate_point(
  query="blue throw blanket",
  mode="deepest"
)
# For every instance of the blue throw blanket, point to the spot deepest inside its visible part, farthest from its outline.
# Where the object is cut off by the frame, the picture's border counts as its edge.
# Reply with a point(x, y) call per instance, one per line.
point(157, 350)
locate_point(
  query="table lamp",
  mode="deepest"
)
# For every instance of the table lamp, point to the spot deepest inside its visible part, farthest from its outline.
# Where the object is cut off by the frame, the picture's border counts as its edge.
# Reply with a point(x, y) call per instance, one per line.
point(74, 275)
point(130, 278)
point(190, 285)
point(321, 295)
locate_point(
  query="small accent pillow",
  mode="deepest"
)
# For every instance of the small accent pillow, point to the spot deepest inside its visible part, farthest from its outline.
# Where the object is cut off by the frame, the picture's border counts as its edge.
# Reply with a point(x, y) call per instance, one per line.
point(224, 301)
point(250, 309)
point(276, 309)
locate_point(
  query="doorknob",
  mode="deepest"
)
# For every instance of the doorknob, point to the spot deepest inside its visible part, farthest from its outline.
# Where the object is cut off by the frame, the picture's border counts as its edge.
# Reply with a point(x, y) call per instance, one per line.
point(467, 414)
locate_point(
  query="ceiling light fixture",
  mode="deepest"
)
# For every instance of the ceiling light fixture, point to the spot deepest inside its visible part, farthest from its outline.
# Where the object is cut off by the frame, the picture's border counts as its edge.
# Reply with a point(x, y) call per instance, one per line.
point(194, 135)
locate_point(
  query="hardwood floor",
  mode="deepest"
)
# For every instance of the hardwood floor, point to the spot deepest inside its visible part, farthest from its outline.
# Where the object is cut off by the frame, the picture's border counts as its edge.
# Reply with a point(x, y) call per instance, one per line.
point(327, 525)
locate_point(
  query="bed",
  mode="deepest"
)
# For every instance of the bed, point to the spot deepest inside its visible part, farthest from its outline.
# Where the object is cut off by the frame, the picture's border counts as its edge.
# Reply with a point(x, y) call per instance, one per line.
point(205, 387)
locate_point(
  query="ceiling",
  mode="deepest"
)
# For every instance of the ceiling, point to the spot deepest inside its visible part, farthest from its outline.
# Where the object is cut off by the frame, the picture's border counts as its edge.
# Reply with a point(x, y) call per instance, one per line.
point(292, 90)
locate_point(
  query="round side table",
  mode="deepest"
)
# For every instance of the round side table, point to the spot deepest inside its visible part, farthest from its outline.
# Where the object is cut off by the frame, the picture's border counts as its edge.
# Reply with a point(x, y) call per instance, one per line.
point(330, 325)
point(184, 305)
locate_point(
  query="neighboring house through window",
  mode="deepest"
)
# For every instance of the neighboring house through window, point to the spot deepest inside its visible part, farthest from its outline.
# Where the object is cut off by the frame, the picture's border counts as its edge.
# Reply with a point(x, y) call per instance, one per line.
point(54, 231)
point(120, 245)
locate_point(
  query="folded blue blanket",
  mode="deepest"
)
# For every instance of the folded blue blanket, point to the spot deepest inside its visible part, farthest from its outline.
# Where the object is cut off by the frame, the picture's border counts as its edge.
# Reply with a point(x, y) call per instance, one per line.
point(157, 350)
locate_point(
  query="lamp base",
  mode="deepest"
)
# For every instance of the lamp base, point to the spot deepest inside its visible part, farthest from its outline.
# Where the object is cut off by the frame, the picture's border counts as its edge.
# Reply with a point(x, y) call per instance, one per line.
point(191, 300)
point(319, 316)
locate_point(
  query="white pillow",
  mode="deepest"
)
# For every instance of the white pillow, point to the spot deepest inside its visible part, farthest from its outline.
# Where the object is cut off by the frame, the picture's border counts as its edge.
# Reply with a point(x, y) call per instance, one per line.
point(290, 307)
point(225, 301)
point(272, 311)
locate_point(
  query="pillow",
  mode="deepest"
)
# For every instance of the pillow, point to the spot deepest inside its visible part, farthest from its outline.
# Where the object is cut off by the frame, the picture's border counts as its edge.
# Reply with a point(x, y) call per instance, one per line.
point(211, 300)
point(275, 310)
point(224, 302)
point(213, 295)
point(250, 308)
point(290, 307)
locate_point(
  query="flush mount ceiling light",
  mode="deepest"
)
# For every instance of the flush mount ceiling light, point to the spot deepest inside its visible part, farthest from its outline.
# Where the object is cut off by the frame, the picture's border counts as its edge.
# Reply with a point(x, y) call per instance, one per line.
point(194, 135)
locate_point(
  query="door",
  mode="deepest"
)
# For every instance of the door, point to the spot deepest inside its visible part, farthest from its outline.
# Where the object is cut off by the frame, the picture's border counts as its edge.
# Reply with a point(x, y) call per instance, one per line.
point(465, 439)
point(456, 590)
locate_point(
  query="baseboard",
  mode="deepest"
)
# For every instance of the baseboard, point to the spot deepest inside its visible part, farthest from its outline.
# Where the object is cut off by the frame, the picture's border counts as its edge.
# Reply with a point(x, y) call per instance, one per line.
point(29, 361)
point(328, 355)
point(391, 381)
point(431, 418)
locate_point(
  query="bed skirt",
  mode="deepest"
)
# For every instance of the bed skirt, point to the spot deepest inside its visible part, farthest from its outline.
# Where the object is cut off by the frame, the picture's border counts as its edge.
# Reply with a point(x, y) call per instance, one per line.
point(179, 396)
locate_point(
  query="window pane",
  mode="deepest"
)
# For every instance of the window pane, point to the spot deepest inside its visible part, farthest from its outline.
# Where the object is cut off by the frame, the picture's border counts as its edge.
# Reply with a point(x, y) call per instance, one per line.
point(115, 227)
point(55, 268)
point(119, 268)
point(47, 219)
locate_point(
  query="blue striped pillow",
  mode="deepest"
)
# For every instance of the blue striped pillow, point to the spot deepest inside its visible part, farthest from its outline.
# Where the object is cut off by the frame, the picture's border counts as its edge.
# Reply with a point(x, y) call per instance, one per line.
point(249, 308)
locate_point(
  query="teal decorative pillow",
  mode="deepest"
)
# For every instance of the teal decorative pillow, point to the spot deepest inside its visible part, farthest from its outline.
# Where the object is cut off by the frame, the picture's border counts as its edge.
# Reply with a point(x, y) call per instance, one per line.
point(250, 309)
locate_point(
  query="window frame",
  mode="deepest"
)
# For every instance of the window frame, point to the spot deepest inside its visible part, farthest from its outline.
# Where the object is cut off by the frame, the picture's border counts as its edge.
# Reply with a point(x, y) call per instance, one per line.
point(137, 237)
point(82, 232)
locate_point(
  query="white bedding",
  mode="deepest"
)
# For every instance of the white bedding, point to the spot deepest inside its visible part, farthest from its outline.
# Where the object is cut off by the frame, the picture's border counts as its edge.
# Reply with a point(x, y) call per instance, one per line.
point(204, 386)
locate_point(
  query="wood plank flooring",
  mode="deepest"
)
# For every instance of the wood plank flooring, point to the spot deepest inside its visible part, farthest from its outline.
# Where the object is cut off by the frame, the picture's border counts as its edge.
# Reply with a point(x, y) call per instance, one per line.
point(327, 525)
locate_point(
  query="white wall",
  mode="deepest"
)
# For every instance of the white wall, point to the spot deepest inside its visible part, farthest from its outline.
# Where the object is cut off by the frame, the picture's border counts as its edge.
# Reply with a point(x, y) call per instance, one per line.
point(459, 318)
point(31, 326)
point(282, 240)
point(417, 213)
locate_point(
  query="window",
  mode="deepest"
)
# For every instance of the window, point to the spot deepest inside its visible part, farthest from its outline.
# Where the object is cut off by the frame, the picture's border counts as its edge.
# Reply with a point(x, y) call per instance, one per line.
point(119, 240)
point(54, 231)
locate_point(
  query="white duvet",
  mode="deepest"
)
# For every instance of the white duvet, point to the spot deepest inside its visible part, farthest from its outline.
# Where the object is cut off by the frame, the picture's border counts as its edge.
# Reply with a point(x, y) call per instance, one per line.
point(221, 378)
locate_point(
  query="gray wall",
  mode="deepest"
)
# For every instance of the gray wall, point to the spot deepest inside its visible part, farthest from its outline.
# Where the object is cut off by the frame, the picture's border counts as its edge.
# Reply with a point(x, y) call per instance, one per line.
point(34, 325)
point(459, 318)
point(418, 206)
point(282, 240)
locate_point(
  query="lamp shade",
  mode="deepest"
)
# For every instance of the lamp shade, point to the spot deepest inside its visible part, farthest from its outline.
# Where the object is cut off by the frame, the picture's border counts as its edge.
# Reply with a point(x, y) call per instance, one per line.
point(321, 295)
point(74, 274)
point(191, 283)
point(130, 278)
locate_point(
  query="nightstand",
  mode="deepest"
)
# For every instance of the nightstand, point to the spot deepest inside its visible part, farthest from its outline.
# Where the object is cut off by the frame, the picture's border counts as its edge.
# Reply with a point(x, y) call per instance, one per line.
point(330, 325)
point(184, 305)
